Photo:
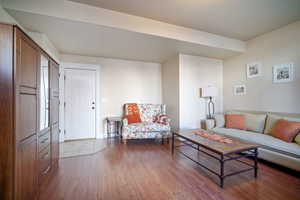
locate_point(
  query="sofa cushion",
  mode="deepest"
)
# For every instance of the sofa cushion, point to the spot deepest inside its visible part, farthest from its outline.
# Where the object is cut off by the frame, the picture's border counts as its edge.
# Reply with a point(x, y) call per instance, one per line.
point(236, 121)
point(272, 119)
point(285, 130)
point(254, 122)
point(266, 141)
point(146, 127)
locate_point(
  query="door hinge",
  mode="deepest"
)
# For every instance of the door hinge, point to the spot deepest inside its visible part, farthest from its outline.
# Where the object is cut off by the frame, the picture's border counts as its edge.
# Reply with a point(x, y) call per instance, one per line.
point(65, 77)
point(65, 132)
point(65, 104)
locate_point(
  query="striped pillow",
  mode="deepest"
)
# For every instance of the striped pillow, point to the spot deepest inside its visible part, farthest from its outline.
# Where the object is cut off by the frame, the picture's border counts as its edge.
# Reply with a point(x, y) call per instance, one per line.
point(161, 119)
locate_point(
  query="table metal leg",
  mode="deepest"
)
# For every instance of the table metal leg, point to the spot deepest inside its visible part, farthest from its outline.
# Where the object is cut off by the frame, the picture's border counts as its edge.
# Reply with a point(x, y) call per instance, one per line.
point(222, 171)
point(255, 163)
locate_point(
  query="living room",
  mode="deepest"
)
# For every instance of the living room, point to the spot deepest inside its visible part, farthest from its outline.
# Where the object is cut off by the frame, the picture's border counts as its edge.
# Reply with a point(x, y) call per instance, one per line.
point(177, 92)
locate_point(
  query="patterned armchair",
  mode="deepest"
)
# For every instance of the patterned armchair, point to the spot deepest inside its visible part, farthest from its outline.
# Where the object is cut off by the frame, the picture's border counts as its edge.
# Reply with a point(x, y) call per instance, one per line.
point(147, 128)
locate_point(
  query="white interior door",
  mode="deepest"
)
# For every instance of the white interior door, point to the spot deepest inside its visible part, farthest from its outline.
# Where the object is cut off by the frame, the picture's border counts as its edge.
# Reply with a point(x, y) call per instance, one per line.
point(80, 104)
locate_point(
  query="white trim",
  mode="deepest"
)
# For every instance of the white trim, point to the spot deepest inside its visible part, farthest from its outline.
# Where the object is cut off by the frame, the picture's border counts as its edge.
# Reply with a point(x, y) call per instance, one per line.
point(68, 65)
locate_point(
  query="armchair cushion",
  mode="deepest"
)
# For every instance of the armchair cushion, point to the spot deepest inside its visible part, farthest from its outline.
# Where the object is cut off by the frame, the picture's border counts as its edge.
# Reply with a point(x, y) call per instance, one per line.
point(146, 127)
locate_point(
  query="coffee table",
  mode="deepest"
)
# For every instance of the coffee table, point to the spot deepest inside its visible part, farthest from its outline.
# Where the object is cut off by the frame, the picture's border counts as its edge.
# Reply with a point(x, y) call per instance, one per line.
point(223, 152)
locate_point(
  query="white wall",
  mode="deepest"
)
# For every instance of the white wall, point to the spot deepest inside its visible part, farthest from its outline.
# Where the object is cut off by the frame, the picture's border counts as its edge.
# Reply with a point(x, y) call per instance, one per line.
point(277, 47)
point(5, 17)
point(123, 81)
point(39, 38)
point(197, 72)
point(170, 88)
point(43, 41)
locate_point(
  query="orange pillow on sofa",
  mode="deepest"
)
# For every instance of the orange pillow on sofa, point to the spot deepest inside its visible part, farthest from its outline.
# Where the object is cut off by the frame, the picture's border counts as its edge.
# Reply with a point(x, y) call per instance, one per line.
point(235, 121)
point(285, 130)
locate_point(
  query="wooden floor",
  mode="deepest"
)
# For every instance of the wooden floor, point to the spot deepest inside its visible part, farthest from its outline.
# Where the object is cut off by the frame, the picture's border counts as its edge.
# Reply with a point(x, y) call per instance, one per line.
point(146, 170)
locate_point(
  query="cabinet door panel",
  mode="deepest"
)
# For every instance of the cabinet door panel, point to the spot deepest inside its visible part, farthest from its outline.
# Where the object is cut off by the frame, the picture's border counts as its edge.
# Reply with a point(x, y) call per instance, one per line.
point(54, 77)
point(27, 116)
point(55, 110)
point(55, 145)
point(26, 168)
point(27, 61)
point(54, 84)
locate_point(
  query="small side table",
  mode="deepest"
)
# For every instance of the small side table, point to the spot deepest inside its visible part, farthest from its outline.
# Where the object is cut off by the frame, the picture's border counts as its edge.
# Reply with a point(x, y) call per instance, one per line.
point(116, 122)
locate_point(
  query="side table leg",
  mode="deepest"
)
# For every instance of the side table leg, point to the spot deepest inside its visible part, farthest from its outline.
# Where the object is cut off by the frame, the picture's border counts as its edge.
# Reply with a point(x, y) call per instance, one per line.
point(107, 126)
point(173, 138)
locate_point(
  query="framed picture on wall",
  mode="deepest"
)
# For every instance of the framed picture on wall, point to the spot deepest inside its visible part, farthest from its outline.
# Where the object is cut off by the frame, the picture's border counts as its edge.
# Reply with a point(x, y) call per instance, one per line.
point(254, 70)
point(239, 90)
point(283, 73)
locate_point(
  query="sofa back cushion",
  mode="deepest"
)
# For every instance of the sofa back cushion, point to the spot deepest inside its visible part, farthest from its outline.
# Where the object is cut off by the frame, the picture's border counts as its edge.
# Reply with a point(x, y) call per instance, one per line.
point(148, 111)
point(235, 121)
point(272, 119)
point(285, 130)
point(254, 122)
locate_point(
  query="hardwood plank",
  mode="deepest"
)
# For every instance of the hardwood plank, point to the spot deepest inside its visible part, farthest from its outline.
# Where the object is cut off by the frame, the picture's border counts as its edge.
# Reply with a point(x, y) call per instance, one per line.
point(146, 170)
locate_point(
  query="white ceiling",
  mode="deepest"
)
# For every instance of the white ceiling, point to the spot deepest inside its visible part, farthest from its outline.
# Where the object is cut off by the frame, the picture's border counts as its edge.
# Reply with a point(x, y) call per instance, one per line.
point(240, 19)
point(73, 37)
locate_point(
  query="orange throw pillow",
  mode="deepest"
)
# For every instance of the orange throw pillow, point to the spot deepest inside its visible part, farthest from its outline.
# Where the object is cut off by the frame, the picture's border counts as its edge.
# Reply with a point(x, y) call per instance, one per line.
point(285, 130)
point(133, 115)
point(235, 121)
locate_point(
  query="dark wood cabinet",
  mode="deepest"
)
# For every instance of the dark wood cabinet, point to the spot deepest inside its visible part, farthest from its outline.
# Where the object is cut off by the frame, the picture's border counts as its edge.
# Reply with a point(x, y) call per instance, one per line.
point(26, 168)
point(29, 144)
point(54, 114)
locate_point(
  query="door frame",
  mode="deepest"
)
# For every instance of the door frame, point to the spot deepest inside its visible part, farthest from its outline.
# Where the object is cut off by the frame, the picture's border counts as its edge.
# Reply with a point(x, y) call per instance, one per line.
point(70, 65)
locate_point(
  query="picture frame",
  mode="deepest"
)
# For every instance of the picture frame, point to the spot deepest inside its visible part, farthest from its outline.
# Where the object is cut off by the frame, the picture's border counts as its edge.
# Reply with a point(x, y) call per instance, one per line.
point(254, 69)
point(239, 90)
point(283, 73)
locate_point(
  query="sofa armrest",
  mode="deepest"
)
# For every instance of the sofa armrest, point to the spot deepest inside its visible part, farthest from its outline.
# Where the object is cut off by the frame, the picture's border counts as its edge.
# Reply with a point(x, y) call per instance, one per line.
point(210, 124)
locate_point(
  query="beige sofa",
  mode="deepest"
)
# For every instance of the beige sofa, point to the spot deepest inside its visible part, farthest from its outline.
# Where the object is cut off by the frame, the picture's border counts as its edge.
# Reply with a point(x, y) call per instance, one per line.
point(259, 125)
